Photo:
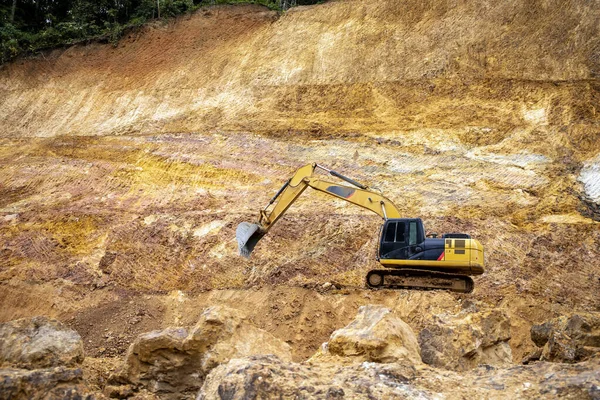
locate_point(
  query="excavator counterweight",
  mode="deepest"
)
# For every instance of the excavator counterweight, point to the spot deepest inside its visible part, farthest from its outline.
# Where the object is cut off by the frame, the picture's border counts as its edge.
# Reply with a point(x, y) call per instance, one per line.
point(409, 259)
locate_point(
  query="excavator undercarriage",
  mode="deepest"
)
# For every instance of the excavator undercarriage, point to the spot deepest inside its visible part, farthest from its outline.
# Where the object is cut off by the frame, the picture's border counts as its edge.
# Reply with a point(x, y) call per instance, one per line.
point(418, 279)
point(410, 260)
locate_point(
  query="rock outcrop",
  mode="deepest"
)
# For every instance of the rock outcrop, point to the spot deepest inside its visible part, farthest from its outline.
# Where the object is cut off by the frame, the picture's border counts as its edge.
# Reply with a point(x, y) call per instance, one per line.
point(174, 362)
point(40, 359)
point(375, 335)
point(39, 342)
point(464, 341)
point(568, 339)
point(47, 383)
point(267, 377)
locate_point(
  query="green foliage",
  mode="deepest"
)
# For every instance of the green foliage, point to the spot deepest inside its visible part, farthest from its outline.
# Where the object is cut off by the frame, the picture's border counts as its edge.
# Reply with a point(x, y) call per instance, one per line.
point(9, 45)
point(146, 9)
point(43, 24)
point(171, 8)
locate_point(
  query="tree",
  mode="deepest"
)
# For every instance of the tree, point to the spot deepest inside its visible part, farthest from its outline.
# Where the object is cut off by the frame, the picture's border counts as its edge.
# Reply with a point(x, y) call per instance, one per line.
point(12, 11)
point(287, 4)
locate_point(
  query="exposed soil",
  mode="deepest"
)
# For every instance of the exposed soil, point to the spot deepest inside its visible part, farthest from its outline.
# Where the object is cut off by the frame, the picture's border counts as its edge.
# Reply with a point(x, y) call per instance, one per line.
point(125, 170)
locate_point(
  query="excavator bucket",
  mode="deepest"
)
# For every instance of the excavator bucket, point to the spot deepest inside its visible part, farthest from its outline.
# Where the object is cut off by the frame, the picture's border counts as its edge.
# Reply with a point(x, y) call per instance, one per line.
point(247, 236)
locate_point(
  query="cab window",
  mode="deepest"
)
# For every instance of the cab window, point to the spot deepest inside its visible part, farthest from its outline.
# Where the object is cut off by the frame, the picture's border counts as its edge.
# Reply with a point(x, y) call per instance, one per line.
point(390, 232)
point(412, 234)
point(400, 236)
point(394, 232)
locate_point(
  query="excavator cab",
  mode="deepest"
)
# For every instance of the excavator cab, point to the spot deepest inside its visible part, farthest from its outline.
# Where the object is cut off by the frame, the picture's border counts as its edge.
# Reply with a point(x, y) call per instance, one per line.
point(403, 244)
point(401, 238)
point(405, 239)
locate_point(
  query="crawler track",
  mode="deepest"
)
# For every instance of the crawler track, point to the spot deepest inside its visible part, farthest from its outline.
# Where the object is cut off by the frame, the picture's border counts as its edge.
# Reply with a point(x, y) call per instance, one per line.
point(416, 279)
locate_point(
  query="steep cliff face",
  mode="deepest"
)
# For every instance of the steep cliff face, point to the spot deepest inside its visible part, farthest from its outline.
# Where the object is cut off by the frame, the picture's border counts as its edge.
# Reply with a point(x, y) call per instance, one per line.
point(341, 66)
point(125, 170)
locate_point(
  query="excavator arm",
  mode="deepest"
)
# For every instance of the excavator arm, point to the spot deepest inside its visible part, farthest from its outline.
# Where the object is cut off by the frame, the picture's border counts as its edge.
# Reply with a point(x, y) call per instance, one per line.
point(248, 234)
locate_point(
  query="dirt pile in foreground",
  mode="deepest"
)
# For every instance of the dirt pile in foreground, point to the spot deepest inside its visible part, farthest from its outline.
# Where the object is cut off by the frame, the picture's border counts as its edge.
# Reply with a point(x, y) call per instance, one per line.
point(377, 355)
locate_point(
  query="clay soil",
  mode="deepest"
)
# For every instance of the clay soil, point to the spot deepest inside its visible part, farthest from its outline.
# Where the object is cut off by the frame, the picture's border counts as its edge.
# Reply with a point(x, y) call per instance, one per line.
point(125, 170)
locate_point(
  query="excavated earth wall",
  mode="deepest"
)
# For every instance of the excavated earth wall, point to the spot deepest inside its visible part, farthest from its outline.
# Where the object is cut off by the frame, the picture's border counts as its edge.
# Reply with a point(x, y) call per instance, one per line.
point(124, 170)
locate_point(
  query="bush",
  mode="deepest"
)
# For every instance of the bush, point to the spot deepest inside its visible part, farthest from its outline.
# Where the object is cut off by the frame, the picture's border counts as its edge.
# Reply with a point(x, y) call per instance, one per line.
point(9, 42)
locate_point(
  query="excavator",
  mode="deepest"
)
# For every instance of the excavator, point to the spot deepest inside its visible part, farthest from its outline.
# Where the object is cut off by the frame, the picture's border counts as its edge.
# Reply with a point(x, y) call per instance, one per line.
point(409, 259)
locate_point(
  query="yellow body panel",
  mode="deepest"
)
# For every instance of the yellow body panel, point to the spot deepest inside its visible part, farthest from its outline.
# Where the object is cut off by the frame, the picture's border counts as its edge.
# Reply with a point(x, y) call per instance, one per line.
point(460, 256)
point(423, 263)
point(457, 250)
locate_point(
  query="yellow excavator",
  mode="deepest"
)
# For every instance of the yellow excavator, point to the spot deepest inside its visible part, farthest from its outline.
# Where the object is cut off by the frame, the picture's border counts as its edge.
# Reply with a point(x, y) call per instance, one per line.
point(409, 259)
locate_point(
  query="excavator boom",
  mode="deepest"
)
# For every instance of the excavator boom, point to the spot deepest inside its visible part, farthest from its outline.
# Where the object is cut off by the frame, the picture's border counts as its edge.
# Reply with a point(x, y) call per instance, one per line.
point(248, 234)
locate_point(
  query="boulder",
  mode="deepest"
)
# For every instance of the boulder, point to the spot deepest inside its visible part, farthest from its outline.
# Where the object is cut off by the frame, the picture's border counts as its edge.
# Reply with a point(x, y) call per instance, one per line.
point(49, 383)
point(39, 357)
point(39, 342)
point(375, 335)
point(267, 377)
point(568, 339)
point(465, 340)
point(174, 362)
point(541, 380)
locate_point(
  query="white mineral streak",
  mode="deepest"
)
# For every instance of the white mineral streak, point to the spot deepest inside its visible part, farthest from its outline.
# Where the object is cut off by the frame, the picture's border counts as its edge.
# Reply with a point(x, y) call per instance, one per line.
point(590, 177)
